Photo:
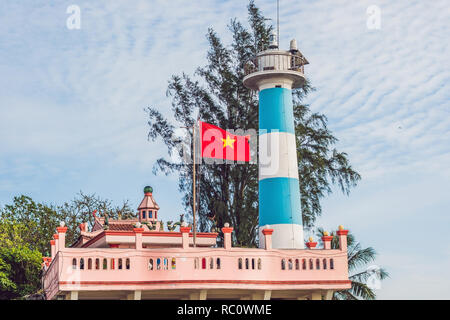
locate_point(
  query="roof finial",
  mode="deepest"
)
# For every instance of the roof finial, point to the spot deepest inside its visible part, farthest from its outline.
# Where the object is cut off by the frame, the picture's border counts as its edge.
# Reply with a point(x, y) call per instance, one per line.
point(148, 189)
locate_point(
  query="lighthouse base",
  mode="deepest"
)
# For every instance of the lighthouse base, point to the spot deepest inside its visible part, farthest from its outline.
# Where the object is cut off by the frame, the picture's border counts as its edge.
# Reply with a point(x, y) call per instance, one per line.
point(285, 236)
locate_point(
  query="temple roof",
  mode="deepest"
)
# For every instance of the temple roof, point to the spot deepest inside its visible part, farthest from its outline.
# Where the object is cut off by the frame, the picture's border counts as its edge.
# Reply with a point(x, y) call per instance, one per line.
point(121, 226)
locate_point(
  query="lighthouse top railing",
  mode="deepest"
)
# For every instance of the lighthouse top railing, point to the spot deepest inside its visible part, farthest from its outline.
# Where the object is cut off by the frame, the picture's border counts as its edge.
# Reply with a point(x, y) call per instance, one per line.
point(276, 60)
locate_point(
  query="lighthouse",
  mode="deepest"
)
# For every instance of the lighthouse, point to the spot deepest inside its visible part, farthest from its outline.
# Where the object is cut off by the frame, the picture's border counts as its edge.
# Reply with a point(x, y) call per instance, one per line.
point(274, 73)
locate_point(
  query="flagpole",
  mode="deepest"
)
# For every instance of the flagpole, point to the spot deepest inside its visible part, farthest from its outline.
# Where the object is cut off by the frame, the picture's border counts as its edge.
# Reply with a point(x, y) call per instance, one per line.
point(199, 178)
point(194, 185)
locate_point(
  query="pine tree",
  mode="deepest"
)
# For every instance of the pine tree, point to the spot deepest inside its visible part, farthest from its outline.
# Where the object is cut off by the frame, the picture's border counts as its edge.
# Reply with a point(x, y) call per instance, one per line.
point(215, 94)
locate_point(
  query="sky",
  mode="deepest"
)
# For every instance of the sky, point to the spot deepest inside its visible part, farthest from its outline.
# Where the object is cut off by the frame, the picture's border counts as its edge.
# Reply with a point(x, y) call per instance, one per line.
point(72, 110)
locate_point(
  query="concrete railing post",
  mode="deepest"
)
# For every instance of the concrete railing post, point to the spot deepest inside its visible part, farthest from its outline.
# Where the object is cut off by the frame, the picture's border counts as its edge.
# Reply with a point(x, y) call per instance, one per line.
point(267, 238)
point(56, 238)
point(327, 241)
point(61, 237)
point(53, 248)
point(138, 237)
point(342, 234)
point(185, 236)
point(227, 236)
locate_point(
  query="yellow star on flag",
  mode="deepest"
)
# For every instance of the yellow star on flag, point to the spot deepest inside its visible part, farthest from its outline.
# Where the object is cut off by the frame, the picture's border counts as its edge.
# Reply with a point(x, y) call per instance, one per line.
point(228, 142)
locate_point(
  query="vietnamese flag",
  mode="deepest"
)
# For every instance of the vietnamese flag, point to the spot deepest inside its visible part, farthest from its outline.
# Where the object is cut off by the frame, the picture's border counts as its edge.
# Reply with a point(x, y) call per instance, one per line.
point(217, 143)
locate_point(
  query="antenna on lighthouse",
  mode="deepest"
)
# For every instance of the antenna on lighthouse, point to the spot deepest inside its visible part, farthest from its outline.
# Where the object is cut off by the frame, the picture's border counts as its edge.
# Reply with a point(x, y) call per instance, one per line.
point(278, 23)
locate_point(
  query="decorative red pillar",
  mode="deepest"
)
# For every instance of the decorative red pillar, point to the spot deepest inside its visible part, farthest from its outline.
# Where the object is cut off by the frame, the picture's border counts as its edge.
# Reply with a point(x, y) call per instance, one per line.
point(61, 236)
point(268, 238)
point(52, 248)
point(227, 230)
point(342, 233)
point(185, 236)
point(56, 237)
point(327, 240)
point(138, 237)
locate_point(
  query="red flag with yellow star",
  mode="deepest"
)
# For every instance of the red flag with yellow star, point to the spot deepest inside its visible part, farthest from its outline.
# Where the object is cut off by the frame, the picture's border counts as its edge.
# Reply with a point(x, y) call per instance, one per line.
point(217, 143)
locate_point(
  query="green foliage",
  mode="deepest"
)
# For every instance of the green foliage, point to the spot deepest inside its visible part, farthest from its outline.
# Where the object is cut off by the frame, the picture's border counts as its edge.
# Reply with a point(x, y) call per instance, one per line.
point(26, 228)
point(38, 221)
point(20, 264)
point(7, 286)
point(80, 210)
point(35, 223)
point(320, 165)
point(13, 233)
point(228, 192)
point(358, 259)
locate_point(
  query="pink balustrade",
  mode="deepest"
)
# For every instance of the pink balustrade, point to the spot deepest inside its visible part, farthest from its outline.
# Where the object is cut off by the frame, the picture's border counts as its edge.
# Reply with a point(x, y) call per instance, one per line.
point(177, 268)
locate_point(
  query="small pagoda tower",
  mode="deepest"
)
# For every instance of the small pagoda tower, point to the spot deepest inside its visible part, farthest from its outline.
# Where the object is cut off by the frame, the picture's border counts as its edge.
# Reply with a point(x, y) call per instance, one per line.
point(148, 209)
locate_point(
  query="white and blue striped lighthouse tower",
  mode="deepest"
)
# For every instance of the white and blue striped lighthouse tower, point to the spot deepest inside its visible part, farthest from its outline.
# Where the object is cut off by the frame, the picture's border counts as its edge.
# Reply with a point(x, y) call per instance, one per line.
point(274, 73)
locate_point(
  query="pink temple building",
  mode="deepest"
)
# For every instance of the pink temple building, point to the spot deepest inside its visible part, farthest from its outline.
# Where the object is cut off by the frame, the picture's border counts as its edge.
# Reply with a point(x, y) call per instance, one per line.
point(124, 259)
point(137, 259)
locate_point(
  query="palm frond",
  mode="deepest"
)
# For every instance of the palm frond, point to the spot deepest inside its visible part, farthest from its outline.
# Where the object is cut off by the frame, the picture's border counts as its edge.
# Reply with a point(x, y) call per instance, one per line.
point(361, 257)
point(360, 276)
point(358, 257)
point(383, 274)
point(362, 291)
point(344, 295)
